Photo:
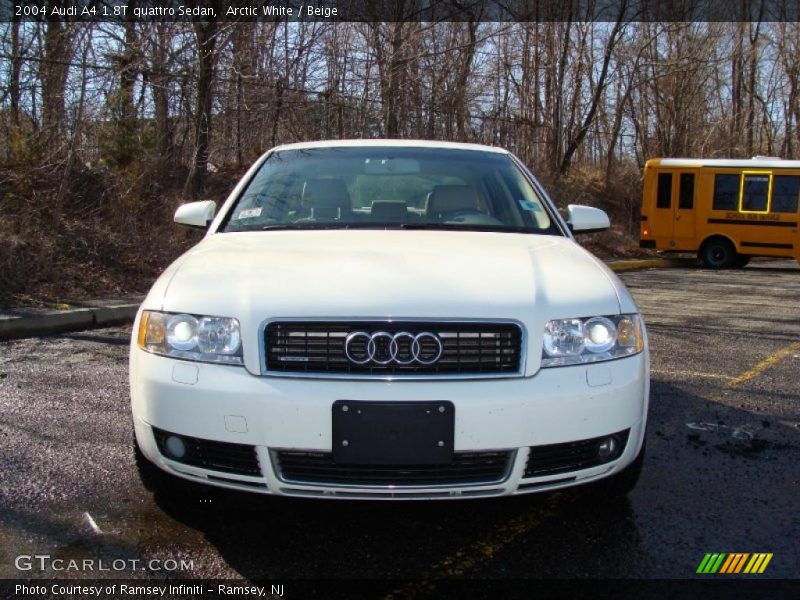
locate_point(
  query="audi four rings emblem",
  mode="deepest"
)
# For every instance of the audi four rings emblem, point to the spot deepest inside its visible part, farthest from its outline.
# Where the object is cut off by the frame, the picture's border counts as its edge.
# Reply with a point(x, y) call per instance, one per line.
point(384, 348)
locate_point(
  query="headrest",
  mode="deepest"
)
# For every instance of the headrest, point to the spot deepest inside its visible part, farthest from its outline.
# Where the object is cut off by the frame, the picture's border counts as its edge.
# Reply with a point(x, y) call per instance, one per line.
point(389, 210)
point(452, 198)
point(326, 193)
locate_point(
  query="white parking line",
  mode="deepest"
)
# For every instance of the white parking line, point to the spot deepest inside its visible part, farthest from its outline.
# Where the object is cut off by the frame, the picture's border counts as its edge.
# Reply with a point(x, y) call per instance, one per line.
point(690, 374)
point(92, 524)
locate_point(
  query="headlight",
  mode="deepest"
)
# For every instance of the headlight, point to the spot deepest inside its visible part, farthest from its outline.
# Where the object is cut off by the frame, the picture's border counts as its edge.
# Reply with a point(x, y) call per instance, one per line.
point(207, 339)
point(593, 339)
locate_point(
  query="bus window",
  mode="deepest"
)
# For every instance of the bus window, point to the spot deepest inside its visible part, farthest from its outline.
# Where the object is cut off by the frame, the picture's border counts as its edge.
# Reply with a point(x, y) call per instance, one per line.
point(726, 192)
point(664, 197)
point(755, 193)
point(785, 192)
point(686, 198)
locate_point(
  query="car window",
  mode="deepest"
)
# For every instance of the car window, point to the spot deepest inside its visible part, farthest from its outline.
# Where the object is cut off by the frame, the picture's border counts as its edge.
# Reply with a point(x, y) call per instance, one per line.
point(350, 187)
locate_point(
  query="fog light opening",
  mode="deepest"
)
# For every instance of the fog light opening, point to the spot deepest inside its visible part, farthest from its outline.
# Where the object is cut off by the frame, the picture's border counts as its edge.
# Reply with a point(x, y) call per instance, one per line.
point(175, 447)
point(607, 448)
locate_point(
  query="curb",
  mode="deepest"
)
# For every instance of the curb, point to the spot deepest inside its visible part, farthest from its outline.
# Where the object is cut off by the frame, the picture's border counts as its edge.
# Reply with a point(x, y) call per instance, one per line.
point(123, 314)
point(70, 320)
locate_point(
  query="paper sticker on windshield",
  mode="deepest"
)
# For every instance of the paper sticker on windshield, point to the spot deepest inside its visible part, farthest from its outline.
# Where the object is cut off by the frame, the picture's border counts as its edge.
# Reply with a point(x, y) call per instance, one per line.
point(528, 205)
point(249, 213)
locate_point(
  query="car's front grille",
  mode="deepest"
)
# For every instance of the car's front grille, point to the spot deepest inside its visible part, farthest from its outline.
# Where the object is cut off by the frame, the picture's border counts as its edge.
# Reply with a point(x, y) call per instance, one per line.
point(466, 468)
point(209, 454)
point(571, 456)
point(467, 348)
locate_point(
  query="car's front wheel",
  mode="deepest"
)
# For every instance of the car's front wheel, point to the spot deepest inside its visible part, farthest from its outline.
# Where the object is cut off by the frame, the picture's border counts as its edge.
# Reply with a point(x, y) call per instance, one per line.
point(620, 484)
point(623, 482)
point(155, 480)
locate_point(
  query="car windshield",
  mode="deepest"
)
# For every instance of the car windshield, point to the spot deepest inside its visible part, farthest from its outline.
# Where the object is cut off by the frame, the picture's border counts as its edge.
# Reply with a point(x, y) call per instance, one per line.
point(389, 187)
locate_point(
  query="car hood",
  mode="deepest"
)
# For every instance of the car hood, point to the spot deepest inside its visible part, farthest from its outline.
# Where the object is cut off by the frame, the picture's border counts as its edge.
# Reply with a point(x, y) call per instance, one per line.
point(255, 276)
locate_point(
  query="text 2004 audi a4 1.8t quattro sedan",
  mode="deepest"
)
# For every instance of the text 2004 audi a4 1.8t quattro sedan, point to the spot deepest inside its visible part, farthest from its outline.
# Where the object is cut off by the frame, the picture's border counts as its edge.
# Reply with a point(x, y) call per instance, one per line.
point(385, 319)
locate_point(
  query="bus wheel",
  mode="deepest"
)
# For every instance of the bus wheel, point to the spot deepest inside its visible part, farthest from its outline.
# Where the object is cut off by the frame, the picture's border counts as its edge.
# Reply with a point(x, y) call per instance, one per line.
point(717, 253)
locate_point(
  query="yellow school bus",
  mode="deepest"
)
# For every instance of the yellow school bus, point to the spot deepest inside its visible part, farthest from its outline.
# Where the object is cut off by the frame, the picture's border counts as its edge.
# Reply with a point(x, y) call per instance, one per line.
point(726, 210)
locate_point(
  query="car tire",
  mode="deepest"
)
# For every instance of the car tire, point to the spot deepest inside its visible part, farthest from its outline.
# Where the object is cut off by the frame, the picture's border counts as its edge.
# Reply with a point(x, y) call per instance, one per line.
point(742, 261)
point(718, 253)
point(620, 484)
point(155, 480)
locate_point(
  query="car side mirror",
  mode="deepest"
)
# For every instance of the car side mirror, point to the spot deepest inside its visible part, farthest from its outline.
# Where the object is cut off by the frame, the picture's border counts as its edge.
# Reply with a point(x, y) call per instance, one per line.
point(586, 219)
point(196, 214)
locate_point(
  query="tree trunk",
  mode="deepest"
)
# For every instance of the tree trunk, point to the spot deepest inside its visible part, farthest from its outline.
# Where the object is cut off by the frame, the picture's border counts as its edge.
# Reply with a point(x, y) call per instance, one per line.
point(122, 102)
point(462, 83)
point(393, 85)
point(160, 80)
point(737, 87)
point(752, 92)
point(616, 128)
point(16, 67)
point(206, 36)
point(53, 73)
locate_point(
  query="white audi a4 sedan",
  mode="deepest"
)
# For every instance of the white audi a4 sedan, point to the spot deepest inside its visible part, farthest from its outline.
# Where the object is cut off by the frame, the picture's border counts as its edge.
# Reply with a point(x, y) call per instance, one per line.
point(389, 319)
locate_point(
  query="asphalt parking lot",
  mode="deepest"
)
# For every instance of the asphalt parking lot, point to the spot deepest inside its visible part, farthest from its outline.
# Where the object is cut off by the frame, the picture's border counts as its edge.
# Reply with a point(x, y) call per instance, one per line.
point(722, 472)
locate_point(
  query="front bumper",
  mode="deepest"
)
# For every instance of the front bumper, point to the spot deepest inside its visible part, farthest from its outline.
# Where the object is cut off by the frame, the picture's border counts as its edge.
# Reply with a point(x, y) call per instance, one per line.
point(228, 404)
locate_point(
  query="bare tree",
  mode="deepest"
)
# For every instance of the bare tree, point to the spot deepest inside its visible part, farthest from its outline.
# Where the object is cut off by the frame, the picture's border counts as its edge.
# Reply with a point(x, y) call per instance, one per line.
point(206, 35)
point(53, 73)
point(599, 88)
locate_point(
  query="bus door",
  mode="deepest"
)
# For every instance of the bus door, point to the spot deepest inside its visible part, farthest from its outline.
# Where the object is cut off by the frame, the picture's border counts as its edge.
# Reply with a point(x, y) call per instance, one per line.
point(683, 223)
point(661, 215)
point(673, 215)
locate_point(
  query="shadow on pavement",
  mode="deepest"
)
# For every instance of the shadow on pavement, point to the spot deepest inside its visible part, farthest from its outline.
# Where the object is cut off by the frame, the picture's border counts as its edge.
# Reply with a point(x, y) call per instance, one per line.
point(694, 487)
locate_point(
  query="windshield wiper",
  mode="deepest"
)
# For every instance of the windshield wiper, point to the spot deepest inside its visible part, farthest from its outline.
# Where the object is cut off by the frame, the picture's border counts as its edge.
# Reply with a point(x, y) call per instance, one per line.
point(466, 227)
point(427, 226)
point(299, 226)
point(364, 225)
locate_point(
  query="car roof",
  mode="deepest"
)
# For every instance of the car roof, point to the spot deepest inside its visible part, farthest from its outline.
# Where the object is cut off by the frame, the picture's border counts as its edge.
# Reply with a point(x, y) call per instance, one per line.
point(390, 143)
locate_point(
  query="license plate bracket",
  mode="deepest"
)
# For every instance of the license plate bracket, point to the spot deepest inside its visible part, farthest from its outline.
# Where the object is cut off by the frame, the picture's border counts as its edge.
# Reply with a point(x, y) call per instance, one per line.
point(393, 433)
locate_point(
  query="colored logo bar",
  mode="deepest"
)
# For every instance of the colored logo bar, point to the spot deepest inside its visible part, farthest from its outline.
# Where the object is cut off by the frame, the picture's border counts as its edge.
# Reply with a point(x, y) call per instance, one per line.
point(734, 562)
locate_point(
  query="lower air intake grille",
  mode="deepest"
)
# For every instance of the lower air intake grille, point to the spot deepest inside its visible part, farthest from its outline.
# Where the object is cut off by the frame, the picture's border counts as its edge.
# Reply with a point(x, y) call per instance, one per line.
point(393, 348)
point(467, 468)
point(208, 454)
point(572, 456)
